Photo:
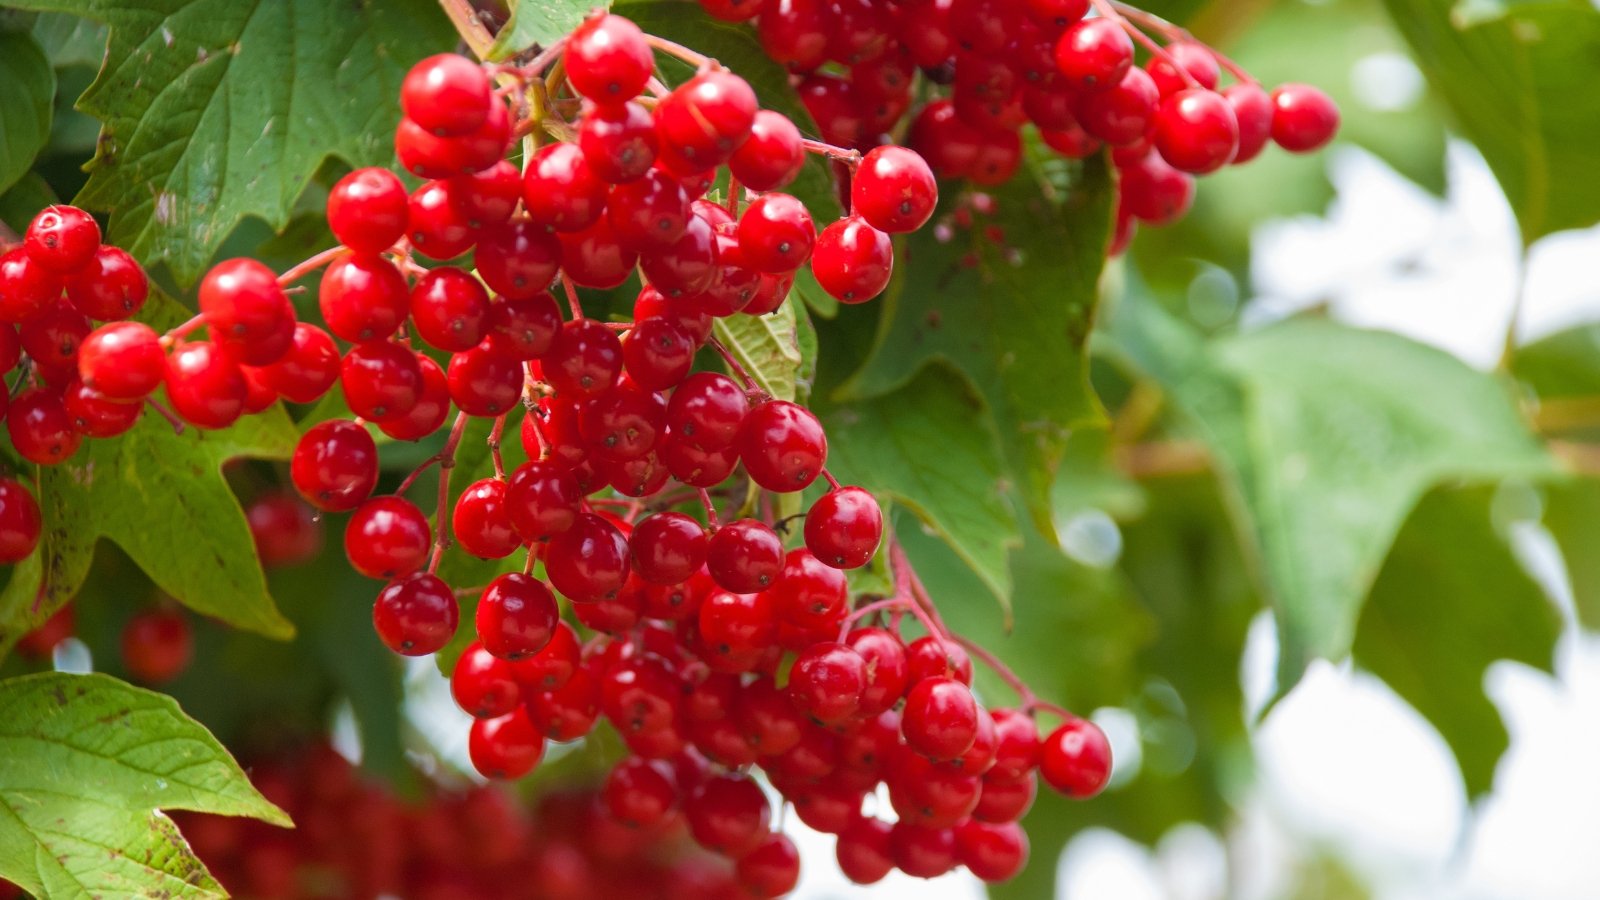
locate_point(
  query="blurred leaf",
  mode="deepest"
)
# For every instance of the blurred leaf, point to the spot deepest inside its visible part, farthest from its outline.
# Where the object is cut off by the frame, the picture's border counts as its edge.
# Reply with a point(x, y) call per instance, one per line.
point(26, 104)
point(86, 763)
point(1015, 324)
point(1572, 514)
point(214, 110)
point(1521, 86)
point(538, 22)
point(1450, 600)
point(1326, 437)
point(69, 40)
point(1564, 364)
point(735, 46)
point(768, 347)
point(931, 446)
point(160, 496)
point(25, 198)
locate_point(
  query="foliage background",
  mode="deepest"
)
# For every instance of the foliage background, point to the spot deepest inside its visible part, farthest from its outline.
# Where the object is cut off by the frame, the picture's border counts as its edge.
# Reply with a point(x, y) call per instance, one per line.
point(1144, 471)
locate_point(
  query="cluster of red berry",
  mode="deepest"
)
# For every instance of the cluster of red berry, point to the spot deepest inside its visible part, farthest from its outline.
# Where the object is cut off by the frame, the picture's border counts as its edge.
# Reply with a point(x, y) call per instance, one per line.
point(354, 838)
point(52, 288)
point(1044, 62)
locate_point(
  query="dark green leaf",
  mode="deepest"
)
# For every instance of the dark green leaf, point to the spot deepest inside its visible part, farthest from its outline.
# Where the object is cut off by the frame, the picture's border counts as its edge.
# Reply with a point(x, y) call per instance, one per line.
point(1521, 84)
point(215, 110)
point(161, 497)
point(1564, 365)
point(931, 446)
point(1015, 324)
point(538, 22)
point(26, 104)
point(1572, 513)
point(86, 763)
point(1451, 600)
point(24, 200)
point(1326, 437)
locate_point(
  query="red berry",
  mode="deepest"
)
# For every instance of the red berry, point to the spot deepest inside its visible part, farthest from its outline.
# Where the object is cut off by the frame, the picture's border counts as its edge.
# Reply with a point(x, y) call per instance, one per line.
point(335, 465)
point(744, 556)
point(1196, 131)
point(808, 590)
point(667, 548)
point(26, 287)
point(484, 381)
point(430, 412)
point(1252, 108)
point(623, 423)
point(517, 617)
point(1154, 192)
point(1005, 801)
point(481, 523)
point(380, 379)
point(863, 851)
point(640, 793)
point(307, 371)
point(826, 682)
point(416, 615)
point(20, 523)
point(123, 361)
point(1058, 12)
point(524, 328)
point(728, 814)
point(782, 446)
point(110, 286)
point(559, 190)
point(894, 189)
point(1303, 118)
point(843, 527)
point(567, 712)
point(62, 238)
point(688, 266)
point(618, 141)
point(772, 869)
point(589, 561)
point(585, 359)
point(1195, 59)
point(487, 198)
point(1075, 759)
point(888, 672)
point(542, 500)
point(772, 156)
point(363, 297)
point(1016, 745)
point(518, 260)
point(484, 686)
point(921, 851)
point(1121, 113)
point(367, 210)
point(204, 385)
point(776, 234)
point(993, 853)
point(707, 410)
point(437, 225)
point(551, 668)
point(931, 656)
point(428, 155)
point(283, 529)
point(450, 309)
point(387, 537)
point(608, 59)
point(51, 338)
point(657, 353)
point(853, 260)
point(1094, 54)
point(249, 314)
point(96, 415)
point(940, 720)
point(595, 258)
point(446, 94)
point(705, 119)
point(157, 645)
point(508, 747)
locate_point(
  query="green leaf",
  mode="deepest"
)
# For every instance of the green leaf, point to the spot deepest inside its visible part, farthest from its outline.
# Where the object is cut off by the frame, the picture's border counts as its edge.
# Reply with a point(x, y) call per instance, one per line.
point(161, 497)
point(1521, 85)
point(1326, 437)
point(931, 446)
point(86, 763)
point(538, 22)
point(1572, 514)
point(1451, 600)
point(768, 347)
point(1563, 365)
point(215, 110)
point(19, 205)
point(736, 47)
point(26, 105)
point(1016, 324)
point(69, 40)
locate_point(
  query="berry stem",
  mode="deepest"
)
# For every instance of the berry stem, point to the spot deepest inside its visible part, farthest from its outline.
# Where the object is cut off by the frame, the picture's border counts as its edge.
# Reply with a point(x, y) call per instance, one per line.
point(832, 481)
point(907, 582)
point(711, 509)
point(181, 331)
point(465, 20)
point(441, 518)
point(300, 270)
point(852, 158)
point(672, 48)
point(735, 190)
point(1109, 11)
point(572, 296)
point(734, 366)
point(494, 447)
point(1174, 32)
point(169, 415)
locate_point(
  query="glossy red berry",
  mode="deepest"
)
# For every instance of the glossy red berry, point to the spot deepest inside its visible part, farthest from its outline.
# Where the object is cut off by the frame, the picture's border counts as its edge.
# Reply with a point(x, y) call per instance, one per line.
point(782, 446)
point(585, 359)
point(123, 361)
point(62, 238)
point(446, 94)
point(827, 681)
point(863, 851)
point(1194, 58)
point(922, 851)
point(363, 297)
point(772, 869)
point(51, 338)
point(993, 853)
point(589, 561)
point(776, 234)
point(26, 287)
point(518, 260)
point(1075, 759)
point(934, 657)
point(481, 522)
point(250, 316)
point(1154, 192)
point(745, 556)
point(542, 499)
point(888, 671)
point(109, 287)
point(595, 258)
point(157, 645)
point(853, 260)
point(432, 407)
point(367, 210)
point(657, 353)
point(204, 385)
point(484, 686)
point(516, 617)
point(1252, 108)
point(1303, 118)
point(380, 379)
point(387, 537)
point(484, 381)
point(416, 615)
point(772, 156)
point(1094, 54)
point(1121, 113)
point(487, 198)
point(508, 747)
point(95, 415)
point(438, 226)
point(667, 548)
point(307, 371)
point(524, 328)
point(618, 141)
point(736, 628)
point(283, 529)
point(335, 465)
point(705, 119)
point(843, 527)
point(450, 309)
point(894, 189)
point(1196, 131)
point(608, 59)
point(640, 793)
point(559, 190)
point(728, 814)
point(809, 591)
point(940, 720)
point(20, 522)
point(551, 668)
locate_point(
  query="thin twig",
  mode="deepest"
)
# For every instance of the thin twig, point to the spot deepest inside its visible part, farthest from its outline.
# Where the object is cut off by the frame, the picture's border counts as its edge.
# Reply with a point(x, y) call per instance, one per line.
point(300, 270)
point(441, 518)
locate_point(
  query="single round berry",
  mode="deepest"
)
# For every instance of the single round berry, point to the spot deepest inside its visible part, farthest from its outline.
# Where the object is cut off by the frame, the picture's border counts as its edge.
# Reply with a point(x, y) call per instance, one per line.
point(1196, 131)
point(51, 339)
point(62, 238)
point(640, 793)
point(772, 156)
point(826, 682)
point(204, 385)
point(516, 617)
point(446, 94)
point(123, 361)
point(782, 446)
point(1303, 118)
point(487, 198)
point(1194, 58)
point(608, 59)
point(542, 499)
point(380, 379)
point(745, 556)
point(367, 210)
point(20, 522)
point(26, 287)
point(1075, 759)
point(306, 372)
point(921, 851)
point(772, 869)
point(776, 234)
point(931, 656)
point(284, 530)
point(667, 548)
point(888, 671)
point(940, 720)
point(518, 260)
point(416, 615)
point(650, 213)
point(95, 415)
point(508, 747)
point(524, 328)
point(853, 260)
point(437, 225)
point(157, 645)
point(707, 411)
point(335, 465)
point(622, 423)
point(1094, 54)
point(657, 353)
point(894, 189)
point(1154, 192)
point(450, 309)
point(619, 141)
point(1016, 745)
point(843, 527)
point(559, 190)
point(1252, 108)
point(481, 522)
point(109, 287)
point(484, 686)
point(705, 119)
point(387, 537)
point(363, 297)
point(993, 853)
point(728, 814)
point(1121, 113)
point(585, 359)
point(249, 314)
point(863, 851)
point(589, 561)
point(428, 415)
